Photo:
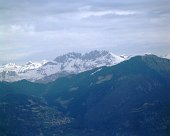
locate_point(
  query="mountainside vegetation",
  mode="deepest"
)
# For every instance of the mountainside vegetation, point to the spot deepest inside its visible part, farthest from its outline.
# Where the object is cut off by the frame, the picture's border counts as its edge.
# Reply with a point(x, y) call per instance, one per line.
point(131, 98)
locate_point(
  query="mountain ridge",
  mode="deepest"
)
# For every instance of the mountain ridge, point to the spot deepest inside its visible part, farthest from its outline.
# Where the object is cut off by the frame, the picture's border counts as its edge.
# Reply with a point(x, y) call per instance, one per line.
point(66, 64)
point(130, 98)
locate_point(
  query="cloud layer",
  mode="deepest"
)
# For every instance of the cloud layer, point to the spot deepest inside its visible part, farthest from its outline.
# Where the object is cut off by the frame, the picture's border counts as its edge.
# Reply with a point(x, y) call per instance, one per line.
point(34, 30)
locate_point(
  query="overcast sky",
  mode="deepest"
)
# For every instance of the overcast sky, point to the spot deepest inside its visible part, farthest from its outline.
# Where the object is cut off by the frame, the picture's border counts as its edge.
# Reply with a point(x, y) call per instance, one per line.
point(43, 29)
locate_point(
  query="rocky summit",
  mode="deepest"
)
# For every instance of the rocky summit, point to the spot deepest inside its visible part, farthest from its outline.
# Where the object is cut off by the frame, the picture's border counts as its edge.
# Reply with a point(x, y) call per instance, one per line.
point(47, 71)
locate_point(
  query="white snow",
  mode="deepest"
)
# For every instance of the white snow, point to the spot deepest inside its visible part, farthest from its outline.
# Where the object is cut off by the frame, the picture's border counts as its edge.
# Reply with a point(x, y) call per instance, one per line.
point(96, 71)
point(33, 71)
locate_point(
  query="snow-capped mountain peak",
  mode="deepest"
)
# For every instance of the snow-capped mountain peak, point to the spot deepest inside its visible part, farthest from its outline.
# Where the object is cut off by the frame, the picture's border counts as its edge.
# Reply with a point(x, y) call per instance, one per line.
point(70, 63)
point(10, 65)
point(29, 63)
point(44, 62)
point(65, 57)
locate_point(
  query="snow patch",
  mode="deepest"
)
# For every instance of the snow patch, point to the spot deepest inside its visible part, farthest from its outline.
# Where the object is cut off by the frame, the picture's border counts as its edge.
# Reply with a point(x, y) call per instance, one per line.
point(96, 71)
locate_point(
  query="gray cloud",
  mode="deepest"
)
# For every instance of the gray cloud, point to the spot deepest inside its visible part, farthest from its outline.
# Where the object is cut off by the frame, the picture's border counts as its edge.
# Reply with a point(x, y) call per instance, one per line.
point(34, 30)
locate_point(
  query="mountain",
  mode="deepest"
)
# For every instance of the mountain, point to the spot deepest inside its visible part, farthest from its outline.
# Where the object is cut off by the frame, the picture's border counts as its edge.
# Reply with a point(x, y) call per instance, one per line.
point(131, 98)
point(71, 63)
point(12, 72)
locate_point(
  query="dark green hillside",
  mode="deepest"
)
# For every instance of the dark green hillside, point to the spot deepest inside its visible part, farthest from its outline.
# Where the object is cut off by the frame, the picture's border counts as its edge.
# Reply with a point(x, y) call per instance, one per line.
point(131, 98)
point(23, 87)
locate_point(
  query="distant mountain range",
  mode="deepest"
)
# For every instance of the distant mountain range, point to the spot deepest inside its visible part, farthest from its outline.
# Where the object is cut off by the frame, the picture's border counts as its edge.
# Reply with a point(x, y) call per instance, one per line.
point(131, 98)
point(71, 63)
